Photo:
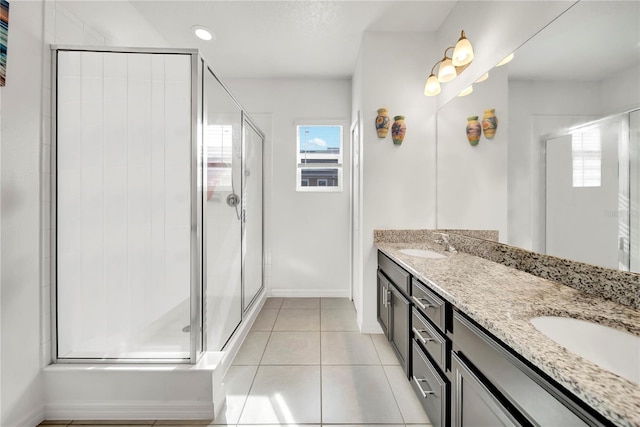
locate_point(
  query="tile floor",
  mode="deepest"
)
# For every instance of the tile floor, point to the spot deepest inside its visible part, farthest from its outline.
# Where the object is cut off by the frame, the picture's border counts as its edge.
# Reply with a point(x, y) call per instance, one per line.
point(304, 362)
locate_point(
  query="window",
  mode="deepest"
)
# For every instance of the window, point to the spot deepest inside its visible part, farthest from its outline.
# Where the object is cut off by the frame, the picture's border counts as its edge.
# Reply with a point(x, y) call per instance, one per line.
point(586, 150)
point(319, 157)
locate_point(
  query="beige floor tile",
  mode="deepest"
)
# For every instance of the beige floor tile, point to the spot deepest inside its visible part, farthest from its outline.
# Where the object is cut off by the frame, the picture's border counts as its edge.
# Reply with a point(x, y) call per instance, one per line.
point(347, 348)
point(385, 351)
point(272, 303)
point(406, 398)
point(252, 348)
point(292, 348)
point(284, 395)
point(301, 303)
point(265, 320)
point(336, 304)
point(297, 320)
point(357, 395)
point(237, 383)
point(338, 320)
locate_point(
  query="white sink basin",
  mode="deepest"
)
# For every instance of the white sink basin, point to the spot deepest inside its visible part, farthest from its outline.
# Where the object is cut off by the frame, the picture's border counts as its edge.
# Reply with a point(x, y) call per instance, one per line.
point(614, 350)
point(422, 253)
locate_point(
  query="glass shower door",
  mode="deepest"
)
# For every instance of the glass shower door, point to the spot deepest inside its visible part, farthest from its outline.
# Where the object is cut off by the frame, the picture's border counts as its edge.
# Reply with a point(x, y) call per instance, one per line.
point(222, 213)
point(252, 215)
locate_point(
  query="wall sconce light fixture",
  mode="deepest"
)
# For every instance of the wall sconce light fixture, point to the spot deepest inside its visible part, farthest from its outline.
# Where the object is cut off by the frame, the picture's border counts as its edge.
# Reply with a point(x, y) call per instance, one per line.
point(450, 67)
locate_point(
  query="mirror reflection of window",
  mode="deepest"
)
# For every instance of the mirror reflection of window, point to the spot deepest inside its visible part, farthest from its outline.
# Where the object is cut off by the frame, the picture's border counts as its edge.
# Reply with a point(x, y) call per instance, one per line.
point(219, 140)
point(586, 152)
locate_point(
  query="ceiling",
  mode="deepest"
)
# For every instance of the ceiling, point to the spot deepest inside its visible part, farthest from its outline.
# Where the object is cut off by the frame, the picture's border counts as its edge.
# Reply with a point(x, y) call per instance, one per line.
point(263, 39)
point(321, 38)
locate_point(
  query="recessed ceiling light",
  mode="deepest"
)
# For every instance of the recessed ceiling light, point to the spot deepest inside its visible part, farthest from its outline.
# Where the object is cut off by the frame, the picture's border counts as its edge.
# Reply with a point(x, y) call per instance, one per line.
point(203, 33)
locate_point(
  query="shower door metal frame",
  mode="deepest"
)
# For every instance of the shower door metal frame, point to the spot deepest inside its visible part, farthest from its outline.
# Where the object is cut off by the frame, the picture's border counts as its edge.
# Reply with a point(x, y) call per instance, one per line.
point(246, 119)
point(196, 193)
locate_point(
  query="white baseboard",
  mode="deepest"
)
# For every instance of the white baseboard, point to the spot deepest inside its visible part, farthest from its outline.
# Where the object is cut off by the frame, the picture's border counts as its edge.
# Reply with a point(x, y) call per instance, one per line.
point(126, 410)
point(310, 293)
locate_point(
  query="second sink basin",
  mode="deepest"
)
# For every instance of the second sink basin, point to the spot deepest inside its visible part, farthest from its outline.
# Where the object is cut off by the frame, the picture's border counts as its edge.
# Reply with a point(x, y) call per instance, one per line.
point(422, 253)
point(614, 350)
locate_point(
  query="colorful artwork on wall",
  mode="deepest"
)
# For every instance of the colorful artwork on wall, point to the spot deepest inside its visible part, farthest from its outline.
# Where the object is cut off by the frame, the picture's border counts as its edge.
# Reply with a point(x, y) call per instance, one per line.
point(4, 34)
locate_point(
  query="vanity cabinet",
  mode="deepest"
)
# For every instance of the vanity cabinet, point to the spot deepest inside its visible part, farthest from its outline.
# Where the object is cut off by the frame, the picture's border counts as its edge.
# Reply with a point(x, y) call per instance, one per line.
point(462, 374)
point(489, 380)
point(394, 308)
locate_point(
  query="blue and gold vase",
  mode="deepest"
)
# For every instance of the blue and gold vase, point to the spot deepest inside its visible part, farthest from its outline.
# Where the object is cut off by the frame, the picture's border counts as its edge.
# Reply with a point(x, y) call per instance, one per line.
point(382, 123)
point(398, 130)
point(474, 130)
point(489, 123)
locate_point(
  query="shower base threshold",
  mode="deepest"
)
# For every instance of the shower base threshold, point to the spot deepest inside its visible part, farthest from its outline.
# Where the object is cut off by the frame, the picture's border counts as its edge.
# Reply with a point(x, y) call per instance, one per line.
point(135, 391)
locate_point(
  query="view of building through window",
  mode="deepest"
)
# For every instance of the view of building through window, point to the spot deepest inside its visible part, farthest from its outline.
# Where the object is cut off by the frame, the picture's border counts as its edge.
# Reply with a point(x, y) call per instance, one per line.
point(319, 157)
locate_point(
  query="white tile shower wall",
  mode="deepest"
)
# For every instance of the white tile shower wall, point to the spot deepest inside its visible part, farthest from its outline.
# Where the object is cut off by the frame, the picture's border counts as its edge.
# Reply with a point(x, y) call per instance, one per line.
point(123, 194)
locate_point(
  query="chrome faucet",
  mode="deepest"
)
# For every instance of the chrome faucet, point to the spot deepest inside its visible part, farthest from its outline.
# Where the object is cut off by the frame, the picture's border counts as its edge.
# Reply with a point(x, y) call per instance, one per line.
point(444, 240)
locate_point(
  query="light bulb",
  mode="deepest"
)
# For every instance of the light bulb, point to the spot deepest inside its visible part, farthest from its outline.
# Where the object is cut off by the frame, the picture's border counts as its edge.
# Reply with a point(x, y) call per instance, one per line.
point(447, 71)
point(463, 52)
point(466, 91)
point(505, 60)
point(482, 78)
point(432, 87)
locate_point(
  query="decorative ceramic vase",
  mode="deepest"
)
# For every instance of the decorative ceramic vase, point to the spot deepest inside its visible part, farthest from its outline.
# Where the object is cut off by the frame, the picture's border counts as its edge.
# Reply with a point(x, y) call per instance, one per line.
point(398, 129)
point(489, 123)
point(473, 130)
point(382, 123)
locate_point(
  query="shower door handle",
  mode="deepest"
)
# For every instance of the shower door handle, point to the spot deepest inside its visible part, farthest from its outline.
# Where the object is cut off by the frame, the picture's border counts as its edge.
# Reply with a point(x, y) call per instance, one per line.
point(233, 199)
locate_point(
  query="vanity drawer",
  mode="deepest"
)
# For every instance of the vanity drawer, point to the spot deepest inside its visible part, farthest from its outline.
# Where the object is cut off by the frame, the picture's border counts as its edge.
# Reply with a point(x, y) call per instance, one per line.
point(398, 276)
point(429, 304)
point(434, 343)
point(432, 390)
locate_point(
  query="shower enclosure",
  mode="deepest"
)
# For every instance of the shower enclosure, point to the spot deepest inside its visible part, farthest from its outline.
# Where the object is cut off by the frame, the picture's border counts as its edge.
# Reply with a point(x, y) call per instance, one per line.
point(157, 207)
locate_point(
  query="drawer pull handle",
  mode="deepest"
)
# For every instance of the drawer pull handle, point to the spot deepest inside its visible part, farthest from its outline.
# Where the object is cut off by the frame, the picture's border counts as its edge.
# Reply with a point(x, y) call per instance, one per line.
point(424, 392)
point(419, 302)
point(419, 332)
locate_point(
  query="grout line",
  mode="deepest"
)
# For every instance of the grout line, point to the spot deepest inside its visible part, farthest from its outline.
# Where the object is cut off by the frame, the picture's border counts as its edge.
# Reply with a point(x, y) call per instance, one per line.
point(395, 399)
point(257, 369)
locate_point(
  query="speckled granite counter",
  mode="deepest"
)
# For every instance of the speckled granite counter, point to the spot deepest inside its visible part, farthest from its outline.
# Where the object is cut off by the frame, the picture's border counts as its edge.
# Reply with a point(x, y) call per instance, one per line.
point(503, 299)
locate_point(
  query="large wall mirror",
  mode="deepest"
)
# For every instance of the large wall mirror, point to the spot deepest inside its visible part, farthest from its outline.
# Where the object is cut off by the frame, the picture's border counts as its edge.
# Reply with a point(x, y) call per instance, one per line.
point(561, 174)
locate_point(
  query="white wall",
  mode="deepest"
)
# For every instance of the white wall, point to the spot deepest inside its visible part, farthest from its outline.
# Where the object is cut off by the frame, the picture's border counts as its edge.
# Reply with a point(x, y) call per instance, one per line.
point(308, 247)
point(621, 92)
point(22, 396)
point(472, 181)
point(398, 181)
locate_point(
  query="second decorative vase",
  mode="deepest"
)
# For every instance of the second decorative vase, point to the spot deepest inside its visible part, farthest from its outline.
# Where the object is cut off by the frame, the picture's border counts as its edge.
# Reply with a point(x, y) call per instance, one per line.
point(398, 130)
point(473, 130)
point(489, 123)
point(382, 122)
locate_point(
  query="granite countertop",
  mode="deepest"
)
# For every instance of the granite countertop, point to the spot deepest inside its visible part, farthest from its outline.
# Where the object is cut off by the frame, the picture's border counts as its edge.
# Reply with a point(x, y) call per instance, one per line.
point(503, 299)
